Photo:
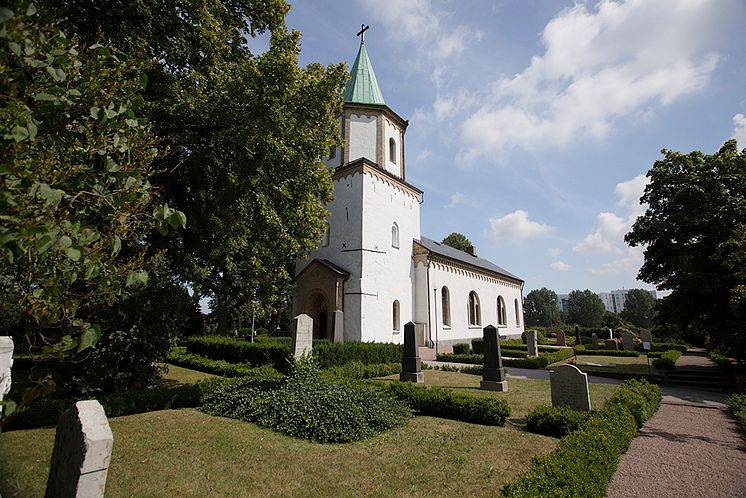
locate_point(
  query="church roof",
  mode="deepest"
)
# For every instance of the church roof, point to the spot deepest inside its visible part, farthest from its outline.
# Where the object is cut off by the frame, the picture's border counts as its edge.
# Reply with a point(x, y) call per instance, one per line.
point(363, 86)
point(464, 257)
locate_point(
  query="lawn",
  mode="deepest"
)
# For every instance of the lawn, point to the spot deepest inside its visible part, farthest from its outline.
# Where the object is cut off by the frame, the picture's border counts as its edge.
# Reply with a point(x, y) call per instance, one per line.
point(616, 364)
point(179, 375)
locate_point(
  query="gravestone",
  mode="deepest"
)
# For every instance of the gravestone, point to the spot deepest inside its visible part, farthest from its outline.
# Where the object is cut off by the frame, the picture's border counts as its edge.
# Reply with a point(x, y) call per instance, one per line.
point(578, 340)
point(302, 329)
point(493, 373)
point(339, 318)
point(628, 341)
point(561, 341)
point(594, 341)
point(6, 362)
point(612, 344)
point(570, 388)
point(411, 364)
point(611, 334)
point(647, 340)
point(531, 342)
point(82, 452)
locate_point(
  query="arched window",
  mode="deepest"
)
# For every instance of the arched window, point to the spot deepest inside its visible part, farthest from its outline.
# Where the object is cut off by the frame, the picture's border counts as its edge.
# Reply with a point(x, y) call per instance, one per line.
point(501, 321)
point(396, 316)
point(446, 306)
point(395, 236)
point(392, 150)
point(475, 314)
point(517, 314)
point(325, 237)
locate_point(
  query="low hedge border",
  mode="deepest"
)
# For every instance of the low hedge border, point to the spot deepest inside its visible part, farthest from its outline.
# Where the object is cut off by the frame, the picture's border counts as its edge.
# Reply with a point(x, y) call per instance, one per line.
point(358, 371)
point(667, 360)
point(445, 403)
point(229, 349)
point(606, 352)
point(665, 346)
point(181, 358)
point(737, 405)
point(586, 459)
point(334, 354)
point(536, 362)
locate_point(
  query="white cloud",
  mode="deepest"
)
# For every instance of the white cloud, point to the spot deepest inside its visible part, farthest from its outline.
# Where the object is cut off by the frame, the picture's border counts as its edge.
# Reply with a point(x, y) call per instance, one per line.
point(455, 200)
point(629, 195)
point(629, 262)
point(553, 252)
point(600, 65)
point(560, 266)
point(611, 228)
point(739, 130)
point(515, 227)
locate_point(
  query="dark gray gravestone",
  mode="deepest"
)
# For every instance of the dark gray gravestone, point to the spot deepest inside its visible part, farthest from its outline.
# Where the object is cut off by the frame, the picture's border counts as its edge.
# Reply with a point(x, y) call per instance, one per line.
point(578, 340)
point(647, 340)
point(628, 341)
point(570, 388)
point(561, 341)
point(411, 364)
point(82, 452)
point(594, 341)
point(612, 344)
point(532, 343)
point(493, 374)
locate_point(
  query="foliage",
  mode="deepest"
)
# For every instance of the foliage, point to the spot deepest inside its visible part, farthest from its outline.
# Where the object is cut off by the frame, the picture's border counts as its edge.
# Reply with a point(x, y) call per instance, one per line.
point(304, 405)
point(76, 200)
point(246, 134)
point(722, 360)
point(228, 349)
point(639, 308)
point(477, 345)
point(694, 234)
point(586, 459)
point(458, 241)
point(555, 421)
point(611, 320)
point(584, 350)
point(667, 360)
point(445, 403)
point(518, 360)
point(220, 367)
point(357, 370)
point(540, 308)
point(737, 405)
point(331, 354)
point(668, 346)
point(585, 308)
point(461, 348)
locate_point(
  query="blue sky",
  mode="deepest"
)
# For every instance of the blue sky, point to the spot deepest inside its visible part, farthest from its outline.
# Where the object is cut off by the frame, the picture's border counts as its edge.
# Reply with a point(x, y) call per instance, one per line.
point(532, 123)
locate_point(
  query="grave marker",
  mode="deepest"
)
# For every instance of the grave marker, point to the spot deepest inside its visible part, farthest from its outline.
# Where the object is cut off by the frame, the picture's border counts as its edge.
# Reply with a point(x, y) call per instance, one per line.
point(628, 341)
point(594, 341)
point(302, 329)
point(493, 374)
point(411, 364)
point(561, 341)
point(647, 340)
point(570, 388)
point(612, 344)
point(6, 362)
point(532, 343)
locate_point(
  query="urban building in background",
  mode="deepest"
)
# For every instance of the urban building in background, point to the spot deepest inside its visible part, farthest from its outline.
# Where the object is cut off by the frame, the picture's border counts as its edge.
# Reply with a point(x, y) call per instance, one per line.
point(613, 301)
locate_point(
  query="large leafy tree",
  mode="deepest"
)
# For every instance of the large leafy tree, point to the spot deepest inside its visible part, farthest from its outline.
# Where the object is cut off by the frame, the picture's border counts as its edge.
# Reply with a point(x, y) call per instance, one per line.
point(245, 135)
point(694, 231)
point(458, 241)
point(585, 308)
point(639, 308)
point(540, 308)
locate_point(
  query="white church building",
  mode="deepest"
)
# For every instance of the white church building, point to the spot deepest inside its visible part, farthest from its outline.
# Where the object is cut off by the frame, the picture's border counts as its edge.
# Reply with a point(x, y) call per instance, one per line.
point(373, 271)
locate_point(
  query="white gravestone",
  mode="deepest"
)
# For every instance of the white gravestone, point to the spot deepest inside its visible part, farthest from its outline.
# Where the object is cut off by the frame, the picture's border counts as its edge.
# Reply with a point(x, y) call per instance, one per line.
point(82, 452)
point(6, 362)
point(570, 388)
point(302, 335)
point(647, 340)
point(531, 343)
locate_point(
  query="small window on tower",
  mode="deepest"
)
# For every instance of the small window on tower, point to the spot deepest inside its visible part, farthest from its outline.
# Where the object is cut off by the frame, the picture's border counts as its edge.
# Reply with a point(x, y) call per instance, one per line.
point(392, 150)
point(395, 236)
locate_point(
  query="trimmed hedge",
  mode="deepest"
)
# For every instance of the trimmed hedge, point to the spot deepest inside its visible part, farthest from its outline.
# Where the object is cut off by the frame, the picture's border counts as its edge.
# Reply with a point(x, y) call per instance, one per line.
point(334, 354)
point(541, 361)
point(477, 345)
point(737, 405)
point(586, 459)
point(445, 403)
point(667, 360)
point(461, 348)
point(359, 371)
point(555, 421)
point(669, 346)
point(219, 367)
point(228, 349)
point(606, 352)
point(722, 360)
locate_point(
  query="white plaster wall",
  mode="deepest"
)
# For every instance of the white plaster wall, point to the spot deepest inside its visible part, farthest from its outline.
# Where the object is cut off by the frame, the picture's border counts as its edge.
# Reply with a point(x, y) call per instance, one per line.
point(388, 271)
point(460, 283)
point(333, 162)
point(362, 139)
point(392, 131)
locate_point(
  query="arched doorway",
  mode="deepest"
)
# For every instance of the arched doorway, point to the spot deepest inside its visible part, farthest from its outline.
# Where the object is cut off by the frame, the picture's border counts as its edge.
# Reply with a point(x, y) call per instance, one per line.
point(320, 315)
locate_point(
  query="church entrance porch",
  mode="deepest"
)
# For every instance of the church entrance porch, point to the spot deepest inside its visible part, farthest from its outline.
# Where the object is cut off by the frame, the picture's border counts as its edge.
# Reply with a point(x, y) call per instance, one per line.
point(319, 293)
point(320, 315)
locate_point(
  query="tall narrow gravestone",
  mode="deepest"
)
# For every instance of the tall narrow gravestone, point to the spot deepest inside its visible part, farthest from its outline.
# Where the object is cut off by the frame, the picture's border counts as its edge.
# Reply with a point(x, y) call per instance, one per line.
point(411, 364)
point(302, 341)
point(594, 341)
point(493, 374)
point(531, 343)
point(6, 362)
point(628, 341)
point(561, 341)
point(647, 340)
point(570, 388)
point(82, 452)
point(612, 345)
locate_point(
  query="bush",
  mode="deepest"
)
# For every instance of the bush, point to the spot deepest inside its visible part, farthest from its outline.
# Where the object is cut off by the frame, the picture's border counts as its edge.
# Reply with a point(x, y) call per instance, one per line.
point(669, 346)
point(219, 367)
point(586, 459)
point(541, 361)
point(461, 349)
point(722, 360)
point(475, 359)
point(606, 352)
point(233, 351)
point(357, 370)
point(304, 405)
point(737, 404)
point(667, 360)
point(334, 354)
point(477, 345)
point(444, 403)
point(555, 422)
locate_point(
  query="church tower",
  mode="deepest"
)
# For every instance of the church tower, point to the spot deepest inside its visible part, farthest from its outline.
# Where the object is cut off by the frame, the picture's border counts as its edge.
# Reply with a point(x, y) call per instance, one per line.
point(358, 285)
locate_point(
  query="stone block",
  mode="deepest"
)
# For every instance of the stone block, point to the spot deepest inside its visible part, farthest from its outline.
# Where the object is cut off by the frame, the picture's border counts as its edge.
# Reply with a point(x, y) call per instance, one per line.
point(302, 333)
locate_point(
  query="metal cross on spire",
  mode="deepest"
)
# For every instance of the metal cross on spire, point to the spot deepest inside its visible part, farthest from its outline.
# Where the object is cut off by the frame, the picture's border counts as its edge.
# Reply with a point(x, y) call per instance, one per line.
point(361, 33)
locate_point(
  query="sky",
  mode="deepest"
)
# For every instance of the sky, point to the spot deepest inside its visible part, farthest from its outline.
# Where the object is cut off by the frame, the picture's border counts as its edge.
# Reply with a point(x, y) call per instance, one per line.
point(532, 123)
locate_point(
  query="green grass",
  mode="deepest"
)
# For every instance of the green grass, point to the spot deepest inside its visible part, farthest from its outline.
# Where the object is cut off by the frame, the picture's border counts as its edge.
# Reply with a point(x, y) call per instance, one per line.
point(622, 364)
point(179, 375)
point(187, 453)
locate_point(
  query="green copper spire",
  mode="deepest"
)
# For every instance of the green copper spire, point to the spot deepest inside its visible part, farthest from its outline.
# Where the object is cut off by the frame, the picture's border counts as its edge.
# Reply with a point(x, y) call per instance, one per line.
point(363, 87)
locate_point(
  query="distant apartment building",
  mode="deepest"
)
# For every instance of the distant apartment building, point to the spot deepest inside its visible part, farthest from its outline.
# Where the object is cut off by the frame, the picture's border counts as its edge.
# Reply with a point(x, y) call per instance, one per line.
point(613, 301)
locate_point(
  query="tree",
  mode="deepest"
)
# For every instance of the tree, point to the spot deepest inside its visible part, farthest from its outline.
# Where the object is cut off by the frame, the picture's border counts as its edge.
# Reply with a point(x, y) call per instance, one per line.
point(638, 308)
point(585, 308)
point(76, 200)
point(540, 308)
point(458, 241)
point(693, 232)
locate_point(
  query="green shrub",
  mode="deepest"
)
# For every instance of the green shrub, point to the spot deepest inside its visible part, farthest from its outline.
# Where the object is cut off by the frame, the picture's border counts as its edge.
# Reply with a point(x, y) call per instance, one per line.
point(304, 405)
point(475, 359)
point(667, 360)
point(334, 354)
point(357, 370)
point(220, 367)
point(461, 348)
point(513, 343)
point(737, 404)
point(477, 345)
point(638, 396)
point(720, 359)
point(541, 361)
point(669, 346)
point(444, 403)
point(606, 352)
point(233, 351)
point(555, 422)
